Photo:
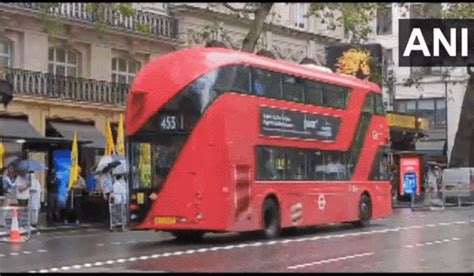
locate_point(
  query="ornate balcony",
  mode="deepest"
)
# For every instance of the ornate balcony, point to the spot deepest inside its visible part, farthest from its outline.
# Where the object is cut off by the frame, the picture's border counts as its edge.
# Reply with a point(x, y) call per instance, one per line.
point(141, 22)
point(49, 86)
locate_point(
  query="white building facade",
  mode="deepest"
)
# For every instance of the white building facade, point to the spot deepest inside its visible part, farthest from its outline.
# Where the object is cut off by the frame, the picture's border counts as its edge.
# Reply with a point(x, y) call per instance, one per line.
point(439, 93)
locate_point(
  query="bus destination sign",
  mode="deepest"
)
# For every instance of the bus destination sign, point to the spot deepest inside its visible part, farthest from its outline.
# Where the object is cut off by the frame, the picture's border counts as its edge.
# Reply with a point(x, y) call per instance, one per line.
point(286, 123)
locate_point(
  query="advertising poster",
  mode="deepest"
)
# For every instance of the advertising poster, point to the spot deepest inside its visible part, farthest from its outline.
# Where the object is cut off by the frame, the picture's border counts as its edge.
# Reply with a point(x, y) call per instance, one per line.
point(409, 175)
point(62, 165)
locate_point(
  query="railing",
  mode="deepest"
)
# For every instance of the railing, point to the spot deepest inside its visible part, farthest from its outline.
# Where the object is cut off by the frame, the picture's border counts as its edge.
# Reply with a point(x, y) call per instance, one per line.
point(45, 85)
point(143, 22)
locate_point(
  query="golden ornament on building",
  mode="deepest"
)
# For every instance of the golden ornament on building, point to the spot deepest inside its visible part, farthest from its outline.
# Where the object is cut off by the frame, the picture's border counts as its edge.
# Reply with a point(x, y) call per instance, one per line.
point(354, 62)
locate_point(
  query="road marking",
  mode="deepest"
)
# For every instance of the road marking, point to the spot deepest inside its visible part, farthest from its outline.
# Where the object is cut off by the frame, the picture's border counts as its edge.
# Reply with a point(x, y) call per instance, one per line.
point(42, 250)
point(2, 255)
point(110, 262)
point(432, 242)
point(116, 243)
point(54, 269)
point(100, 244)
point(76, 266)
point(275, 242)
point(331, 260)
point(121, 261)
point(14, 254)
point(26, 252)
point(65, 267)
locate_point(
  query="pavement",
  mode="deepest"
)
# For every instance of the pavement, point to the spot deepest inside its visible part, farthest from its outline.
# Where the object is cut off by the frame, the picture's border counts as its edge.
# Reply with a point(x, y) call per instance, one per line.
point(436, 241)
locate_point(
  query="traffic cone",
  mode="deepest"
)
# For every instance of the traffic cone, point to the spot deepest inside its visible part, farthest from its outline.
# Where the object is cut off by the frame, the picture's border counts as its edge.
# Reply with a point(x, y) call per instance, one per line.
point(15, 235)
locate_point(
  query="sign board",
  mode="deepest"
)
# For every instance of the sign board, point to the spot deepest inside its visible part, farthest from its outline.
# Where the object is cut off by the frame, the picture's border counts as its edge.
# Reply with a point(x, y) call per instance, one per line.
point(409, 175)
point(295, 124)
point(401, 120)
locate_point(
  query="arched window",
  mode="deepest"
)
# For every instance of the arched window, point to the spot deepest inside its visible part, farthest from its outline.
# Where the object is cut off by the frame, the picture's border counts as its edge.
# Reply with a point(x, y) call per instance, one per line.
point(5, 53)
point(124, 70)
point(63, 62)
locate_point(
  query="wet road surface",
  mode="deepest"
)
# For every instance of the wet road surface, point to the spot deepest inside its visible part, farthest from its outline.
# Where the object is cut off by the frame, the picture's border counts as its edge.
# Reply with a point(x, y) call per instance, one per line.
point(431, 241)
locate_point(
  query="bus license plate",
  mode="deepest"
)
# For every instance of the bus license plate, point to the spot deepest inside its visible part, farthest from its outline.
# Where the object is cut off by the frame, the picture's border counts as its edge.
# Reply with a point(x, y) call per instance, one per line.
point(165, 220)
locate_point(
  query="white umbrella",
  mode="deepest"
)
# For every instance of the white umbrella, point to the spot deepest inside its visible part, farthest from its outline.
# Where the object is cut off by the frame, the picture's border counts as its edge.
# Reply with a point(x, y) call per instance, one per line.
point(105, 161)
point(122, 168)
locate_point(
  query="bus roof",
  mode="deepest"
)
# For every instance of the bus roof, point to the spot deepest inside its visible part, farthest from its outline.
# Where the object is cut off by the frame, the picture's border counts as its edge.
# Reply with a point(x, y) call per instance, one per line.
point(162, 78)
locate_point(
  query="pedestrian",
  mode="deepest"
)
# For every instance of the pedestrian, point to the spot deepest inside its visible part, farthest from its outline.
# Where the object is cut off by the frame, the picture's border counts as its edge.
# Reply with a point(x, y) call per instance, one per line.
point(52, 187)
point(106, 188)
point(22, 184)
point(8, 183)
point(35, 199)
point(432, 182)
point(119, 190)
point(78, 191)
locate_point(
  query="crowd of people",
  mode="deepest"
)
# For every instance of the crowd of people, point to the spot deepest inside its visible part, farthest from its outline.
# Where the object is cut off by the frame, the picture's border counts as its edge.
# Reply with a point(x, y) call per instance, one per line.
point(20, 187)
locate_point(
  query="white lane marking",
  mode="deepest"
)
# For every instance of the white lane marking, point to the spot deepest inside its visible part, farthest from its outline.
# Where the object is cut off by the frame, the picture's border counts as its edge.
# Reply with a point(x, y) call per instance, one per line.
point(54, 269)
point(100, 244)
point(2, 255)
point(202, 250)
point(331, 260)
point(43, 271)
point(110, 262)
point(32, 271)
point(432, 242)
point(14, 254)
point(144, 257)
point(121, 261)
point(76, 266)
point(444, 223)
point(42, 250)
point(26, 252)
point(116, 243)
point(65, 267)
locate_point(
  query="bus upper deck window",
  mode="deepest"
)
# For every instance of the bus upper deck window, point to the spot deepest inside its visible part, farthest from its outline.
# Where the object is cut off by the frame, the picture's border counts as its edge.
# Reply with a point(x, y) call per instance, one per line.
point(313, 92)
point(292, 88)
point(266, 83)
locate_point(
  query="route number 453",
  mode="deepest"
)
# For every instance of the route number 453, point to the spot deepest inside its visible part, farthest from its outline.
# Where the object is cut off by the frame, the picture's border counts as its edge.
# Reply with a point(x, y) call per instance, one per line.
point(168, 123)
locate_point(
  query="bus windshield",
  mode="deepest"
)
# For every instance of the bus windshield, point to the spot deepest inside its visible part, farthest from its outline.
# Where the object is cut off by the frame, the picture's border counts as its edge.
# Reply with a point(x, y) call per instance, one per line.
point(151, 161)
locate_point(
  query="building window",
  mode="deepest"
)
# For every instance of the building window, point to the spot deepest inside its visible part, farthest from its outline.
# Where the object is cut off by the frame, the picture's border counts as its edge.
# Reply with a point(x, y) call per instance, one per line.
point(426, 10)
point(123, 70)
point(434, 110)
point(63, 62)
point(387, 60)
point(300, 12)
point(384, 20)
point(5, 53)
point(426, 71)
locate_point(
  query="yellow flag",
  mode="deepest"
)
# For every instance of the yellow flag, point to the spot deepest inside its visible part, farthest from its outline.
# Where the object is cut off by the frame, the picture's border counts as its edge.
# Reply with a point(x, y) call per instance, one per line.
point(2, 152)
point(74, 162)
point(120, 137)
point(109, 139)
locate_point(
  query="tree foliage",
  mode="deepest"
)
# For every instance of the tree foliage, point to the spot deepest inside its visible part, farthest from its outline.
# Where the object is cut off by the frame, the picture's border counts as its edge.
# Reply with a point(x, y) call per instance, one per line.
point(102, 14)
point(354, 17)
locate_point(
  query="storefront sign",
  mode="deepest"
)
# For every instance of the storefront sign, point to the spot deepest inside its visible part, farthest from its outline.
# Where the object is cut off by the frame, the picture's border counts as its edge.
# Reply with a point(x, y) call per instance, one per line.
point(402, 121)
point(409, 175)
point(286, 123)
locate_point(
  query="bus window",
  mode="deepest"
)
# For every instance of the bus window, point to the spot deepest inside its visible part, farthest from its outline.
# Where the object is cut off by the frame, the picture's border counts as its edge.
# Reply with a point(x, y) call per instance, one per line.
point(266, 83)
point(335, 168)
point(202, 91)
point(334, 96)
point(296, 164)
point(380, 167)
point(292, 88)
point(379, 104)
point(234, 78)
point(314, 92)
point(315, 165)
point(368, 106)
point(141, 165)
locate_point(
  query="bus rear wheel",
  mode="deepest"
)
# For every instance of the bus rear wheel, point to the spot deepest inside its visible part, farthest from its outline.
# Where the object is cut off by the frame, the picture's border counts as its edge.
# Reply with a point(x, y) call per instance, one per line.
point(185, 236)
point(271, 219)
point(365, 212)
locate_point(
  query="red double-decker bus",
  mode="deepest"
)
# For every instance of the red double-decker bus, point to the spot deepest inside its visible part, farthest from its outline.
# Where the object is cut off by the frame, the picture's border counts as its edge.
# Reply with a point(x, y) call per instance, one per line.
point(223, 140)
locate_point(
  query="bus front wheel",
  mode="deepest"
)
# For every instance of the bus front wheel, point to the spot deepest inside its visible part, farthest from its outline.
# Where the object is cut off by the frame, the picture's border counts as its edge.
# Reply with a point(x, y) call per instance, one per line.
point(271, 219)
point(365, 211)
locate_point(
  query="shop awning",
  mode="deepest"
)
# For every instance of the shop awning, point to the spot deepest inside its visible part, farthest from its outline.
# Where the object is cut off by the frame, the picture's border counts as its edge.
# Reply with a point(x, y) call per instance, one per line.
point(84, 132)
point(431, 147)
point(18, 128)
